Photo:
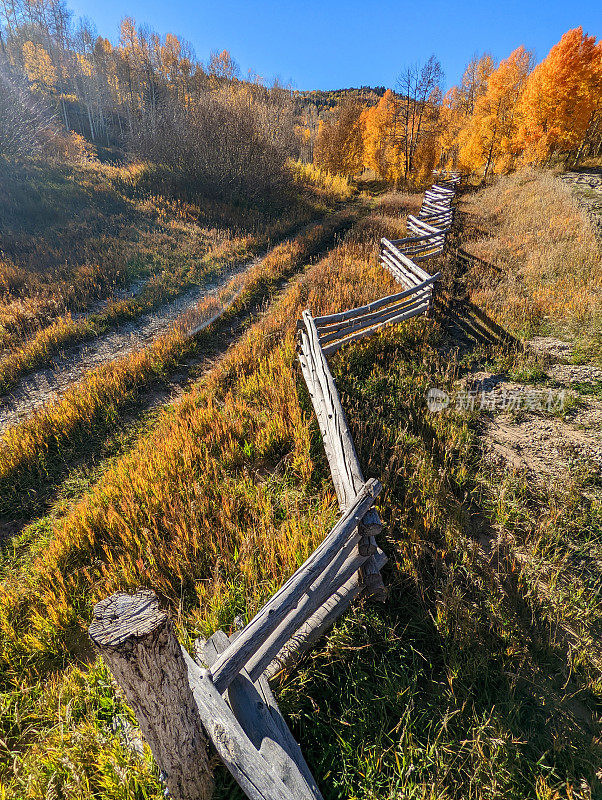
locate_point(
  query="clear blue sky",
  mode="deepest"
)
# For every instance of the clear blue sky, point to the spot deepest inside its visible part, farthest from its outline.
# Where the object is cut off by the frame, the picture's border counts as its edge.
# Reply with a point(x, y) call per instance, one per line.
point(330, 44)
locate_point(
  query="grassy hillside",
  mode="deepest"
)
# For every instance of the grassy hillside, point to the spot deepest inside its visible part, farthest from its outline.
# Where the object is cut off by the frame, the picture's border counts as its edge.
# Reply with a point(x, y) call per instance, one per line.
point(480, 675)
point(76, 238)
point(539, 267)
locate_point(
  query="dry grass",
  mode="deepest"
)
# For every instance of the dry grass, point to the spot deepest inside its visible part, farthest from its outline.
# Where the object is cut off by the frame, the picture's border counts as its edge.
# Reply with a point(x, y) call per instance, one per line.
point(31, 451)
point(546, 267)
point(332, 185)
point(72, 237)
point(215, 507)
point(459, 687)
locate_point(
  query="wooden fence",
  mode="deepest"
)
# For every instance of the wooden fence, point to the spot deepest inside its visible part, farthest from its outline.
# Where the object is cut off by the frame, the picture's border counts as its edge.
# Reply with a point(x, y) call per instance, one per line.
point(223, 693)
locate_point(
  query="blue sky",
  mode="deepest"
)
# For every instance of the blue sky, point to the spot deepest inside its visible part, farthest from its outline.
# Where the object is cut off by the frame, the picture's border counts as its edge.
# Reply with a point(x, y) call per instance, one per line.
point(332, 44)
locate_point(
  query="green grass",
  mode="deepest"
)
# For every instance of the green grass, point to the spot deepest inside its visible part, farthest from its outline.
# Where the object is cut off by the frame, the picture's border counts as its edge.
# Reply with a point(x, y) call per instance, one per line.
point(478, 679)
point(462, 685)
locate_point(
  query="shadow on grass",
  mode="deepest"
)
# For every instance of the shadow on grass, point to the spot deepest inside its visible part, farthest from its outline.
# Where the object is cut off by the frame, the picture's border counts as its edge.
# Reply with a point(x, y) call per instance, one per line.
point(457, 687)
point(469, 323)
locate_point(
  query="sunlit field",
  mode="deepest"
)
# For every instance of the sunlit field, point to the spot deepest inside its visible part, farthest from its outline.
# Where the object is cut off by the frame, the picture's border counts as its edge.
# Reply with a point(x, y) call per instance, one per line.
point(166, 218)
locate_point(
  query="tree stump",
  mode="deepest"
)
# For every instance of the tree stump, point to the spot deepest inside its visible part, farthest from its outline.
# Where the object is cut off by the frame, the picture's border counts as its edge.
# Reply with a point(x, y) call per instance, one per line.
point(140, 647)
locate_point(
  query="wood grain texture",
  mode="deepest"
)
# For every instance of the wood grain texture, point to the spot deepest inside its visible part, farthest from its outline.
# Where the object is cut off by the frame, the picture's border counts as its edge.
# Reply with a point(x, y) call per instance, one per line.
point(378, 318)
point(422, 308)
point(324, 322)
point(380, 315)
point(139, 645)
point(347, 562)
point(423, 226)
point(256, 710)
point(420, 273)
point(347, 466)
point(321, 621)
point(243, 760)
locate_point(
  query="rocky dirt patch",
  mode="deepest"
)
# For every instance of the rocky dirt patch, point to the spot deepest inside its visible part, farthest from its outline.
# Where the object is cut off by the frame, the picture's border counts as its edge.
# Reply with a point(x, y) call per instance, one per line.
point(586, 185)
point(548, 430)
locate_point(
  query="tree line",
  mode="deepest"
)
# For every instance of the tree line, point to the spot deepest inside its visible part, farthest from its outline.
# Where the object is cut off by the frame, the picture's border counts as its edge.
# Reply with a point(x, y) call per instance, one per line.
point(146, 95)
point(64, 88)
point(497, 118)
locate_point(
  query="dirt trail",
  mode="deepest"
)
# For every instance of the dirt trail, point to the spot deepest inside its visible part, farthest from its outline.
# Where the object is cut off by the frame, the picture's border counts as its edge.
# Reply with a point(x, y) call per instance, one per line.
point(70, 366)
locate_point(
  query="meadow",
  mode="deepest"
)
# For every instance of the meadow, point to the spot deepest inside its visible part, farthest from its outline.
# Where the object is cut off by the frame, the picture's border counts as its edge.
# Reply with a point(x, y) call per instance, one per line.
point(482, 667)
point(90, 246)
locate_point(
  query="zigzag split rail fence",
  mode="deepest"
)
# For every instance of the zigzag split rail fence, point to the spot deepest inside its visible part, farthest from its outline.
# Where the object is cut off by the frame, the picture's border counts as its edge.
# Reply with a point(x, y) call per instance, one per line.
point(223, 694)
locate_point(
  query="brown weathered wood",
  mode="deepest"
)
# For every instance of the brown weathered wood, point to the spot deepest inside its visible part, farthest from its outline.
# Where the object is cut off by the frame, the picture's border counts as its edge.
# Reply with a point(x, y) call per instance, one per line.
point(243, 760)
point(138, 643)
point(321, 621)
point(332, 348)
point(232, 660)
point(342, 316)
point(346, 564)
point(255, 708)
point(382, 317)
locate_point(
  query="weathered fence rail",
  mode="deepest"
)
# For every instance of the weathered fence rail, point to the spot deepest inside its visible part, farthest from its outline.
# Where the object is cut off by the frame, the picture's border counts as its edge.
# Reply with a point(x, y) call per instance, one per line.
point(223, 695)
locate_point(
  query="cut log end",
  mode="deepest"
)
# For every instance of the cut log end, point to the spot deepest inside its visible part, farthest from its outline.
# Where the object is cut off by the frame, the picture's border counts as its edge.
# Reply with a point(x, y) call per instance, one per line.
point(139, 645)
point(123, 616)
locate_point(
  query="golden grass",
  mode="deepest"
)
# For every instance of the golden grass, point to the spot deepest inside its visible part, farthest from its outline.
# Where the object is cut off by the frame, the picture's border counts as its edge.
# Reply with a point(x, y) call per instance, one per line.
point(95, 403)
point(469, 693)
point(333, 185)
point(547, 265)
point(72, 236)
point(184, 513)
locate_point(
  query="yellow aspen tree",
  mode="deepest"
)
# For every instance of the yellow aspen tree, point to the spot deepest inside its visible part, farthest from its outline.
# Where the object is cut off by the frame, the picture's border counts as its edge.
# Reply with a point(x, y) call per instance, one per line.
point(339, 142)
point(383, 148)
point(458, 107)
point(38, 67)
point(488, 141)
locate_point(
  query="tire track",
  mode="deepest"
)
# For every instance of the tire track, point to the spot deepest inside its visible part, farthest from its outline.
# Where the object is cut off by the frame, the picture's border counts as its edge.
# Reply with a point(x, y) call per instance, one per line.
point(70, 366)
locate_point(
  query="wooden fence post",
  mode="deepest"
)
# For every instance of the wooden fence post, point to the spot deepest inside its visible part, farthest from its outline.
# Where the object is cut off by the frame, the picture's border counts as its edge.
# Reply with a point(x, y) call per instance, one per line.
point(139, 645)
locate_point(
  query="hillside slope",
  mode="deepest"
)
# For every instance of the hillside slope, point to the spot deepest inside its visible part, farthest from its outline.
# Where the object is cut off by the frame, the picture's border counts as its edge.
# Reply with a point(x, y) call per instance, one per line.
point(480, 675)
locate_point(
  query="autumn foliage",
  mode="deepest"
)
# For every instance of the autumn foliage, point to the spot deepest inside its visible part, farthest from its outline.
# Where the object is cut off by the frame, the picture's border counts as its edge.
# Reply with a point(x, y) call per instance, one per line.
point(499, 117)
point(562, 98)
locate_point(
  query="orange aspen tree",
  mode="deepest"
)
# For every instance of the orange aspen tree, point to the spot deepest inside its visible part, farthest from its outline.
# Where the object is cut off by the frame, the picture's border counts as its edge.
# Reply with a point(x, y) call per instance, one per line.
point(383, 147)
point(488, 141)
point(339, 142)
point(561, 98)
point(458, 106)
